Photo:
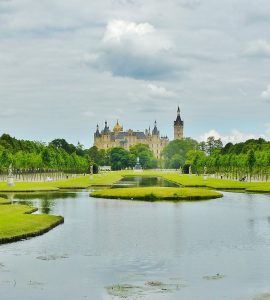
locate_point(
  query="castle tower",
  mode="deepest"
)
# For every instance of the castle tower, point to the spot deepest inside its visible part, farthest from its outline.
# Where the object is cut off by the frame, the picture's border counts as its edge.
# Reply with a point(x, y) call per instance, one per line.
point(178, 126)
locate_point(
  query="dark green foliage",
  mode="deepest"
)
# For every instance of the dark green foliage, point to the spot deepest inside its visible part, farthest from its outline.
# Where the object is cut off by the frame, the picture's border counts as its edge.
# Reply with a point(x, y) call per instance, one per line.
point(175, 153)
point(146, 156)
point(30, 155)
point(119, 158)
point(242, 160)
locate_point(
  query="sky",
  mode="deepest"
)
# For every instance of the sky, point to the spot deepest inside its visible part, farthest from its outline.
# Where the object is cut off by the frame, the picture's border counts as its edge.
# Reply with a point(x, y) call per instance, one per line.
point(66, 65)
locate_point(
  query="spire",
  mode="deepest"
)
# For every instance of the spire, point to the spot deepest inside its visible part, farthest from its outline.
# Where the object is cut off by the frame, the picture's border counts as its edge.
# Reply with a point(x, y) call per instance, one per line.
point(97, 134)
point(178, 120)
point(106, 128)
point(155, 130)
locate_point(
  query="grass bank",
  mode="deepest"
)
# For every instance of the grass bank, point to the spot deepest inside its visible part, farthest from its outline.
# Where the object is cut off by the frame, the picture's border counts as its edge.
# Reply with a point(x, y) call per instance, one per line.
point(85, 182)
point(4, 201)
point(81, 182)
point(157, 193)
point(17, 223)
point(27, 187)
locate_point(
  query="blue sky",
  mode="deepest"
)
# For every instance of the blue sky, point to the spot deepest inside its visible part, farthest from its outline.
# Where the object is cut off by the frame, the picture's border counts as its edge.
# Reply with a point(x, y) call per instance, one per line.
point(67, 65)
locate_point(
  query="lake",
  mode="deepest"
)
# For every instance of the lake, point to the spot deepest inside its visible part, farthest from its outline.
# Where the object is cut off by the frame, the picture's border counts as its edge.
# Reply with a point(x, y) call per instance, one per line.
point(115, 249)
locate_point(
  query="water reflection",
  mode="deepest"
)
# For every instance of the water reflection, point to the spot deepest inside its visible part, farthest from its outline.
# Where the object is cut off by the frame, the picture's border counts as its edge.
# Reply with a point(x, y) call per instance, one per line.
point(44, 201)
point(143, 181)
point(110, 249)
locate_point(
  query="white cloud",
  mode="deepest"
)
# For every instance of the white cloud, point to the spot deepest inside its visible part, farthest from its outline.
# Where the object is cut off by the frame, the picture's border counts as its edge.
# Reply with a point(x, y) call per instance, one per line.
point(235, 136)
point(135, 50)
point(159, 91)
point(266, 94)
point(259, 48)
point(120, 29)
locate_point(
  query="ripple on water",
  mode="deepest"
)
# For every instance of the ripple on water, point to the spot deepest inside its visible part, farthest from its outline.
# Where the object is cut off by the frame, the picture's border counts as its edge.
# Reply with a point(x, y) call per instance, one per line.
point(51, 257)
point(137, 291)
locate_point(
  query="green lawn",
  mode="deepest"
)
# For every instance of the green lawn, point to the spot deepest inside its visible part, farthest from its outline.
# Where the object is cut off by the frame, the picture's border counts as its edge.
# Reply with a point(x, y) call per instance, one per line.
point(73, 183)
point(27, 187)
point(17, 223)
point(112, 177)
point(4, 201)
point(157, 193)
point(85, 182)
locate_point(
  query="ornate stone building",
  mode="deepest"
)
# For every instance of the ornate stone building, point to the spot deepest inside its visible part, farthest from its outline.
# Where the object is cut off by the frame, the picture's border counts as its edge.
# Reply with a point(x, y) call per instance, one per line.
point(106, 138)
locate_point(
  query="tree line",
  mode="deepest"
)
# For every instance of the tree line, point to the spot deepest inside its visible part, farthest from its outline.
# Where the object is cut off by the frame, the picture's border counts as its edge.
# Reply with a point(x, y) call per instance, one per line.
point(247, 159)
point(33, 156)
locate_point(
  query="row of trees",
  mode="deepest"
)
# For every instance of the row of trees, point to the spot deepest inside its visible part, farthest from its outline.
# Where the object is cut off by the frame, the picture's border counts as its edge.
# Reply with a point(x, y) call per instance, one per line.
point(36, 156)
point(242, 160)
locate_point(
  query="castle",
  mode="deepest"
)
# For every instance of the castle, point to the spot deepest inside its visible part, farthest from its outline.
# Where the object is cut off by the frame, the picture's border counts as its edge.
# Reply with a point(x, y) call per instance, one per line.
point(106, 138)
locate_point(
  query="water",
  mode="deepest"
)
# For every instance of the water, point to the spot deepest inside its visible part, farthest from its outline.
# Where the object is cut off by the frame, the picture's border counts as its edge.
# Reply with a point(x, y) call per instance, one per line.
point(143, 181)
point(217, 249)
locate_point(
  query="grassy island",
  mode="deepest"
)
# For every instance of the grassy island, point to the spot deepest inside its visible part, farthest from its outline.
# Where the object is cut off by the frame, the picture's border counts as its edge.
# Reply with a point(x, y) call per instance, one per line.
point(157, 193)
point(17, 222)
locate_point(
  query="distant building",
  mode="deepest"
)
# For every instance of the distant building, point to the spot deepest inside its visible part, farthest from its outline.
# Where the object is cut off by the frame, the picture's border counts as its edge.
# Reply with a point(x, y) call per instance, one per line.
point(106, 138)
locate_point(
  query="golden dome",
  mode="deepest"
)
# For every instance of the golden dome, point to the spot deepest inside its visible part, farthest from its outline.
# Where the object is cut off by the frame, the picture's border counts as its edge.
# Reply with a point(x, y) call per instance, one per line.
point(117, 127)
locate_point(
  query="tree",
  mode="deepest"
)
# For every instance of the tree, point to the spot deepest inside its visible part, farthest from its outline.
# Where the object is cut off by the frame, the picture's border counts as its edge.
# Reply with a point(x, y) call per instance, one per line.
point(175, 153)
point(213, 145)
point(119, 158)
point(146, 156)
point(250, 160)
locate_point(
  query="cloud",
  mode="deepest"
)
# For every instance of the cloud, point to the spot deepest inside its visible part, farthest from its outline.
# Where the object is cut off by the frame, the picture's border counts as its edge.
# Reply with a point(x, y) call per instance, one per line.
point(159, 91)
point(235, 136)
point(266, 94)
point(135, 50)
point(258, 49)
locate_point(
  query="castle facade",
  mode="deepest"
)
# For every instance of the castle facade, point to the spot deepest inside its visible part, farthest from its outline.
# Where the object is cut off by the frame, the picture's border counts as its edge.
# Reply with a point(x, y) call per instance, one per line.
point(106, 138)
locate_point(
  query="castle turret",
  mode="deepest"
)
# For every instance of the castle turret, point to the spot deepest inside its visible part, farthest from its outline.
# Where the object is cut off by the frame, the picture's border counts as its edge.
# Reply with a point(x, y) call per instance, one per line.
point(106, 129)
point(178, 126)
point(155, 130)
point(97, 133)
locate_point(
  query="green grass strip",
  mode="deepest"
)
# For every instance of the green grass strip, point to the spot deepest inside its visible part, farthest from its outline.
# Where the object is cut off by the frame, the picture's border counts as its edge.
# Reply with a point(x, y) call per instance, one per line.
point(157, 193)
point(17, 223)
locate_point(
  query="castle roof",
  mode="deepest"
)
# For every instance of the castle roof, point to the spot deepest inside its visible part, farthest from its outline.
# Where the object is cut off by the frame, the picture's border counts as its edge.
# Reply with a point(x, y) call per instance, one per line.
point(117, 127)
point(178, 120)
point(123, 134)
